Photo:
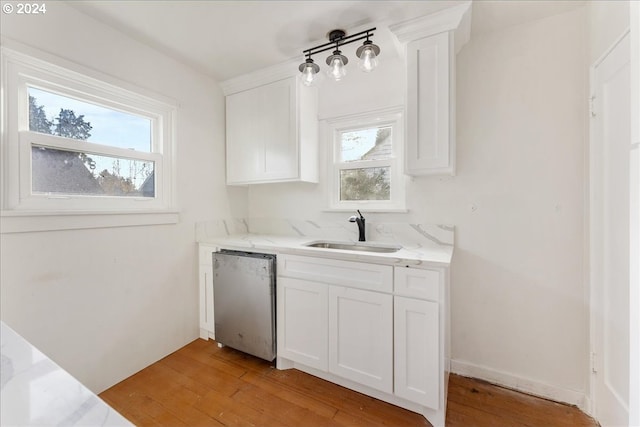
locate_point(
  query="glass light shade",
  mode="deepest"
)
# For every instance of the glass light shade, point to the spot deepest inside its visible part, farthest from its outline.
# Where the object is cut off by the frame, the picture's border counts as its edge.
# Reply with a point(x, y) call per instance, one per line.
point(336, 63)
point(337, 70)
point(368, 54)
point(308, 76)
point(309, 71)
point(368, 59)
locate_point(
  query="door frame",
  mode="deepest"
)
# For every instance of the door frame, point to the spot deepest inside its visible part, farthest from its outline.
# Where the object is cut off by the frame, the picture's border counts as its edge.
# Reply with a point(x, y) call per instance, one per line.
point(595, 228)
point(634, 310)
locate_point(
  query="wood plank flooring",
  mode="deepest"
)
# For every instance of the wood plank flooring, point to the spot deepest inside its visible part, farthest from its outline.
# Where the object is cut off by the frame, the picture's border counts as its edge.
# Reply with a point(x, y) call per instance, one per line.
point(203, 385)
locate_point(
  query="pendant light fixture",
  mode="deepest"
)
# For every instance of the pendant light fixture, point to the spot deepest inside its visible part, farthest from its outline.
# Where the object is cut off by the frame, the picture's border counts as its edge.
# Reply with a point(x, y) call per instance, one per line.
point(309, 71)
point(337, 61)
point(368, 54)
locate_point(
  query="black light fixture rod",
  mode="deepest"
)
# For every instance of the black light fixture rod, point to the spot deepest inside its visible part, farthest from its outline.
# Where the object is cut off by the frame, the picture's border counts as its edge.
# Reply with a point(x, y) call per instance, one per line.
point(313, 51)
point(339, 42)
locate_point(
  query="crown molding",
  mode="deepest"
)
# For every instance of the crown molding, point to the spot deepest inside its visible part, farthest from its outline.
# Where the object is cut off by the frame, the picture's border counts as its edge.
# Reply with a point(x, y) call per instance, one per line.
point(456, 18)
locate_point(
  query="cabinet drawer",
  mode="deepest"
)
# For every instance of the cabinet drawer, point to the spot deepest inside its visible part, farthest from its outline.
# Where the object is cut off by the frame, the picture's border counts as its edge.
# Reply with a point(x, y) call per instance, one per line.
point(353, 274)
point(418, 283)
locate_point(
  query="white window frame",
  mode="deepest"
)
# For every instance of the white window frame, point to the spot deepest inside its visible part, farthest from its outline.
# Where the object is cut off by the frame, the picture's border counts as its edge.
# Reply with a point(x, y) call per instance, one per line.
point(393, 117)
point(20, 71)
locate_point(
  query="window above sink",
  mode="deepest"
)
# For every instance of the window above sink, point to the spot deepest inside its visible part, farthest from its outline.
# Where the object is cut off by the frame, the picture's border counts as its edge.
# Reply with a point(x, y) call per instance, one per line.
point(365, 166)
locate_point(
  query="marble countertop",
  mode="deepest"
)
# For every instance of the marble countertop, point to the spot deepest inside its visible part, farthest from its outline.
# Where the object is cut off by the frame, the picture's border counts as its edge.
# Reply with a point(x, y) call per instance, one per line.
point(36, 391)
point(411, 253)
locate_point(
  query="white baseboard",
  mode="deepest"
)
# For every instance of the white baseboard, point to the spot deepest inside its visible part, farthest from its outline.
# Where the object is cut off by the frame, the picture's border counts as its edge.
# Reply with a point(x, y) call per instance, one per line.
point(524, 385)
point(206, 335)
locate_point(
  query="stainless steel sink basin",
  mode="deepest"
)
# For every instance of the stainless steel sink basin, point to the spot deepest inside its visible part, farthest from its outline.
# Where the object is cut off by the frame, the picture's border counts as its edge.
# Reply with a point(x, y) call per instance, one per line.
point(348, 246)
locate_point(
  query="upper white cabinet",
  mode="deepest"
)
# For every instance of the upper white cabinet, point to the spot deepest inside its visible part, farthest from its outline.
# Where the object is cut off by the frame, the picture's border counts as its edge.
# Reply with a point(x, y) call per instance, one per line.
point(431, 43)
point(272, 133)
point(430, 123)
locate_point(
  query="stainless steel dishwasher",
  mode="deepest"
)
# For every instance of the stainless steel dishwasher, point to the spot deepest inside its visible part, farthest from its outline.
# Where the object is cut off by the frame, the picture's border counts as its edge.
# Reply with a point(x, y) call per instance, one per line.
point(244, 302)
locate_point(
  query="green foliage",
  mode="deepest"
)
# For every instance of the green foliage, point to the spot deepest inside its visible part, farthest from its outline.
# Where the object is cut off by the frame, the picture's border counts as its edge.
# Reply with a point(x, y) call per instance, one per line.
point(368, 183)
point(66, 124)
point(70, 126)
point(114, 184)
point(365, 184)
point(37, 118)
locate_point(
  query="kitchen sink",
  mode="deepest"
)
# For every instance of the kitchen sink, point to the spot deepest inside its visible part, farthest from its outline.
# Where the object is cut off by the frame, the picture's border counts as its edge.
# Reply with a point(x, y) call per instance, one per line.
point(349, 246)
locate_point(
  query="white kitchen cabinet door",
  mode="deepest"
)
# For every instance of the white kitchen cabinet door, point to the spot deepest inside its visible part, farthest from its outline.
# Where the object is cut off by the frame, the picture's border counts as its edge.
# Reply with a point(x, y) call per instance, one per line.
point(302, 322)
point(361, 336)
point(416, 366)
point(206, 297)
point(430, 145)
point(272, 134)
point(207, 325)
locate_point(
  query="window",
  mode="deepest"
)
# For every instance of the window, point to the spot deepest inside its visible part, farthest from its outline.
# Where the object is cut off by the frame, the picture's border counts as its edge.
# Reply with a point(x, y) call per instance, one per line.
point(69, 172)
point(74, 143)
point(365, 162)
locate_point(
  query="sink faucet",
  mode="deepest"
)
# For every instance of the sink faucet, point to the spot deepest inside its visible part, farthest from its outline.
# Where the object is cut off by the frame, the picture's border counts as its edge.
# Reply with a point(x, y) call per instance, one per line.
point(360, 222)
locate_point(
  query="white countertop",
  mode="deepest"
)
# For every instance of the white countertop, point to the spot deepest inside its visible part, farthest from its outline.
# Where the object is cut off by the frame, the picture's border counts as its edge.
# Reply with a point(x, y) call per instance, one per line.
point(414, 254)
point(37, 392)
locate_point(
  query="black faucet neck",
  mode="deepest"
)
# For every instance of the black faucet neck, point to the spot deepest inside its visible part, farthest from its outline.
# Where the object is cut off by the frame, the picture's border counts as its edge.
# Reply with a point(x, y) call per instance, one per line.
point(360, 222)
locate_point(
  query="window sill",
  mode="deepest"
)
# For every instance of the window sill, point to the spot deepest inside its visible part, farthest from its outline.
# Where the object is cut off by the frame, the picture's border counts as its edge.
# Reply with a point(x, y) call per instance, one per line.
point(26, 222)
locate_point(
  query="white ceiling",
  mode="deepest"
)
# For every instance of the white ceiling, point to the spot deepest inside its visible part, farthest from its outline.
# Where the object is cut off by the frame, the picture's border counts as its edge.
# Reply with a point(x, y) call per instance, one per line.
point(224, 39)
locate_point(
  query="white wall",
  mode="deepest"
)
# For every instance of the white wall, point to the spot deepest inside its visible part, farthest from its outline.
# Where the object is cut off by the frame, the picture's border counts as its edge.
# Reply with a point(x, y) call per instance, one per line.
point(519, 307)
point(607, 21)
point(104, 303)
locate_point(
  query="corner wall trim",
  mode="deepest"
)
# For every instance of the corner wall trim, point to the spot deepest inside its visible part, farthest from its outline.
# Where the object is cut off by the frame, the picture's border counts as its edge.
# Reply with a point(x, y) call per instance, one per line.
point(525, 385)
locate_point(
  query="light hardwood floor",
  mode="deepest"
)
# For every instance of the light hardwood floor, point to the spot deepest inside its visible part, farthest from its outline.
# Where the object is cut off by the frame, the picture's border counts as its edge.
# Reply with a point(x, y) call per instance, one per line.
point(203, 385)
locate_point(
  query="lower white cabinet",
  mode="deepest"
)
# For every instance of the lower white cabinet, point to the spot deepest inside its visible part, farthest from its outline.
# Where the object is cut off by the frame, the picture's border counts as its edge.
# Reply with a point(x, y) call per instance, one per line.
point(302, 322)
point(361, 336)
point(207, 324)
point(416, 345)
point(390, 341)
